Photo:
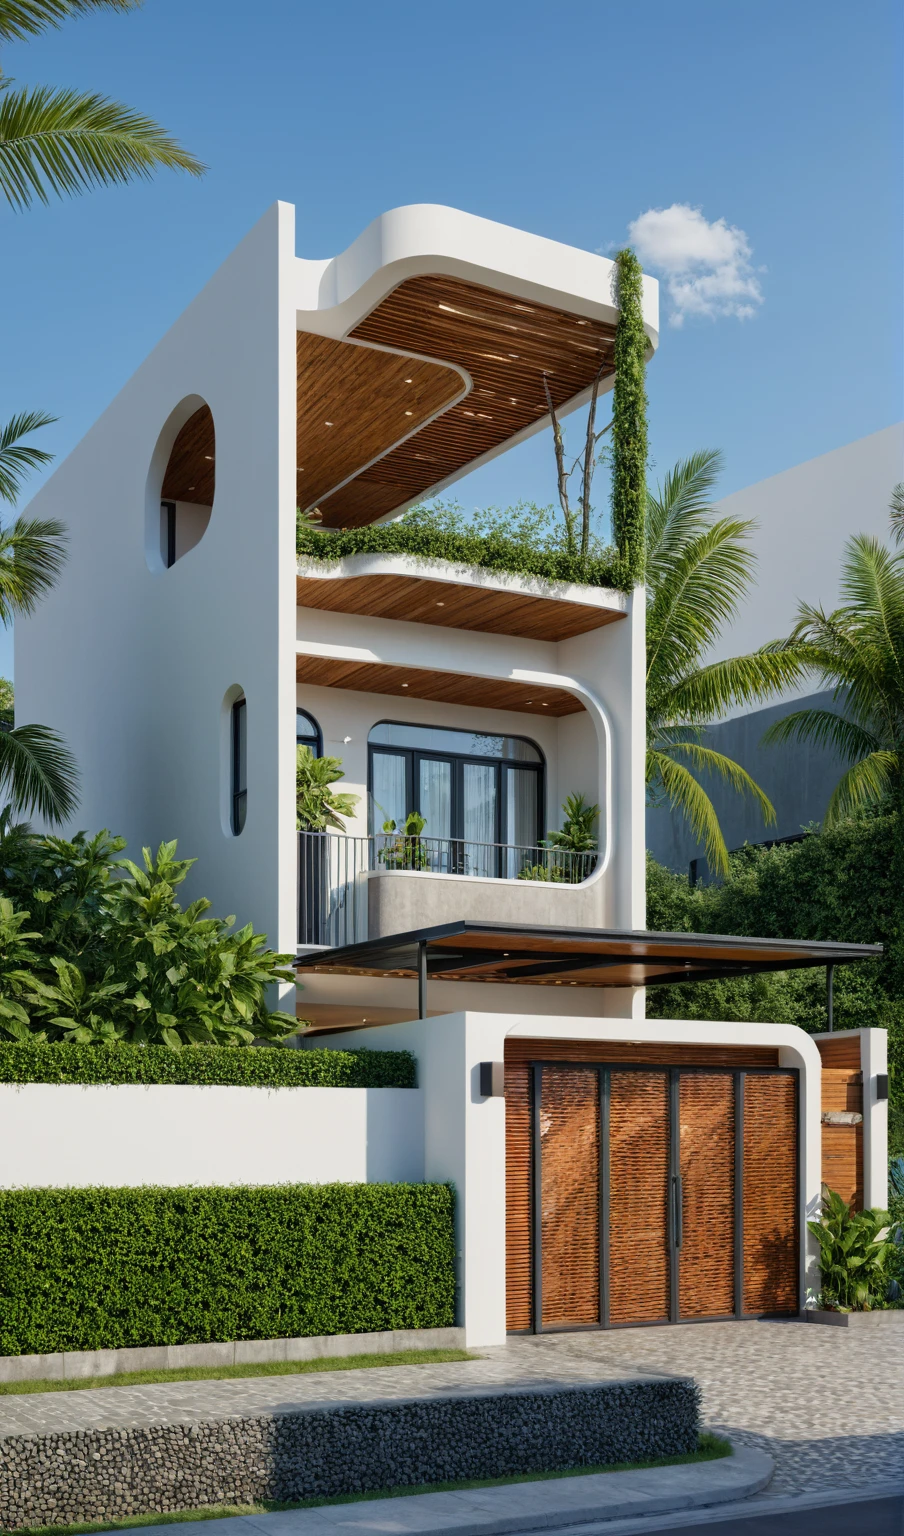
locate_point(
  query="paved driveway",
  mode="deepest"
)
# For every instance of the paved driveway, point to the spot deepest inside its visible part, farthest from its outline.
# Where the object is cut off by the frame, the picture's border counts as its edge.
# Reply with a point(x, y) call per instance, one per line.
point(827, 1403)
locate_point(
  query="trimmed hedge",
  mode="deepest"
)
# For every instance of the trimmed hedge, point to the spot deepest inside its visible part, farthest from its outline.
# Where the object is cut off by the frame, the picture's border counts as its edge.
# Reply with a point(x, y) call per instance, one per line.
point(230, 1066)
point(121, 1268)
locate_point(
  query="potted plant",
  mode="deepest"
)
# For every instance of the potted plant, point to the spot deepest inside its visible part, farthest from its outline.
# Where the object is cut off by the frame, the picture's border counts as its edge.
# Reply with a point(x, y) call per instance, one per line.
point(318, 809)
point(855, 1248)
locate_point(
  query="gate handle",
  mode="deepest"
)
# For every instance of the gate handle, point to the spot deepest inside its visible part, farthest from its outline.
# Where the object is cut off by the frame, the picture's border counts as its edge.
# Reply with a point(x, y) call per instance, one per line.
point(678, 1210)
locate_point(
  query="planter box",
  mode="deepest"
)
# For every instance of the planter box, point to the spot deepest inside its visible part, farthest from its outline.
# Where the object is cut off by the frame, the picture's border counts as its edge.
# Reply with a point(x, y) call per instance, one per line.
point(857, 1319)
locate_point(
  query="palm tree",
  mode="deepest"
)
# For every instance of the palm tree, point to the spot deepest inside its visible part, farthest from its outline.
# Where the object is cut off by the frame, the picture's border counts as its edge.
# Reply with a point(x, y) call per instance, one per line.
point(698, 569)
point(54, 141)
point(858, 652)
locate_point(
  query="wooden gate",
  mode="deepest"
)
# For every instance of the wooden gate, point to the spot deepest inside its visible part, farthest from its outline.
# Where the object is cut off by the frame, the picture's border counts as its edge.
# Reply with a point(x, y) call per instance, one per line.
point(644, 1193)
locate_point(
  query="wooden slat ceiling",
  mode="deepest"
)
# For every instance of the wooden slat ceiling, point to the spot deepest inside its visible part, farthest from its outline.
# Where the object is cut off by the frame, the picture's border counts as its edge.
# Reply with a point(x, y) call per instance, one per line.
point(445, 687)
point(190, 473)
point(454, 605)
point(355, 402)
point(505, 344)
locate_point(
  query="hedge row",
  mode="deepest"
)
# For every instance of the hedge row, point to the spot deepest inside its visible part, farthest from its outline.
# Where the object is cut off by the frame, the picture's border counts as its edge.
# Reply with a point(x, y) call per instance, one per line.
point(117, 1268)
point(261, 1067)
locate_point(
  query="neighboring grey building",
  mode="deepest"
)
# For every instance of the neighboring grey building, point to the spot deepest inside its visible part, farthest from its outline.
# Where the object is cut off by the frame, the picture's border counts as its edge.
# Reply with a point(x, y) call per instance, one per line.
point(804, 518)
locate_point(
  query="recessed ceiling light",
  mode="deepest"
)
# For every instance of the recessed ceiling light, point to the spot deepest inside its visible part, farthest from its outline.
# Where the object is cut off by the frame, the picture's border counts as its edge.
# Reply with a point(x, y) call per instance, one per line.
point(440, 605)
point(209, 457)
point(582, 322)
point(191, 487)
point(409, 413)
point(327, 423)
point(543, 704)
point(404, 685)
point(409, 381)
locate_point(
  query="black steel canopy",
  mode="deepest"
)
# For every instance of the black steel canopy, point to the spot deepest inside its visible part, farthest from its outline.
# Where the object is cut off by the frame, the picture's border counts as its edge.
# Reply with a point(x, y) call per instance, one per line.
point(589, 957)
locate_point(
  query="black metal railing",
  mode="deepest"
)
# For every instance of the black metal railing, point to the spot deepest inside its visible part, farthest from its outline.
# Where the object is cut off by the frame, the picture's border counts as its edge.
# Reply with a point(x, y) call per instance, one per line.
point(333, 871)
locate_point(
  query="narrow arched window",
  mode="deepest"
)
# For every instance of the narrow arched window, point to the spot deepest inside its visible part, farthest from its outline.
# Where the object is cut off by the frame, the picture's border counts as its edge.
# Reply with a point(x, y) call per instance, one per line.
point(239, 764)
point(308, 732)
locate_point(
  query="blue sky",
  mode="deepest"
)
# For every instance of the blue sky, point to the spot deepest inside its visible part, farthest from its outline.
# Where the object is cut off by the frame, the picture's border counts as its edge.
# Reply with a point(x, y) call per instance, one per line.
point(783, 120)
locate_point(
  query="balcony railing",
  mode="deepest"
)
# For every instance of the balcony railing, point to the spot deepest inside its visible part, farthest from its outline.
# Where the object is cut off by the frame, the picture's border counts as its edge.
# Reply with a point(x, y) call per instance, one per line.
point(333, 871)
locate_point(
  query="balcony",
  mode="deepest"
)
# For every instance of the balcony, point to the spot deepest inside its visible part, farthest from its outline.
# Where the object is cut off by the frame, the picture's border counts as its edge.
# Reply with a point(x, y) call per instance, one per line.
point(354, 888)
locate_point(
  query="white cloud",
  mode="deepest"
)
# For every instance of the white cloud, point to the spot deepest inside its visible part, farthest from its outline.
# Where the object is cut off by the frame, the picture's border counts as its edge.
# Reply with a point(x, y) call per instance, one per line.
point(707, 266)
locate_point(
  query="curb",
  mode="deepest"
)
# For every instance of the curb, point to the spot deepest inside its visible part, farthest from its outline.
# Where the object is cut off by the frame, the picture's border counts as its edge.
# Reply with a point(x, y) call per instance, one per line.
point(519, 1507)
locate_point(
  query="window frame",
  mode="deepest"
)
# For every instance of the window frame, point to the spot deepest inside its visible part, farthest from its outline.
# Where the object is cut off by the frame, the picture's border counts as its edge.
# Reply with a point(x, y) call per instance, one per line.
point(413, 757)
point(238, 792)
point(169, 557)
point(316, 731)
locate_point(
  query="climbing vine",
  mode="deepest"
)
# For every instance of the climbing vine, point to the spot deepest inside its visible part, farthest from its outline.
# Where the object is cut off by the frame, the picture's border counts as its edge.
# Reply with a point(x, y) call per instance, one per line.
point(629, 423)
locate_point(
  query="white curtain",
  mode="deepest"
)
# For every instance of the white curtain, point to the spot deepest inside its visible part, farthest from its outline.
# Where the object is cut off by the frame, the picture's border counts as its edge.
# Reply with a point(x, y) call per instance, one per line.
point(480, 818)
point(387, 799)
point(520, 818)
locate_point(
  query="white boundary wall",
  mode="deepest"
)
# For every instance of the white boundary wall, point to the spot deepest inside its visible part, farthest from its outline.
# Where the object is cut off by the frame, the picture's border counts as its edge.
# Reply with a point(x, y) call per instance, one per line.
point(54, 1134)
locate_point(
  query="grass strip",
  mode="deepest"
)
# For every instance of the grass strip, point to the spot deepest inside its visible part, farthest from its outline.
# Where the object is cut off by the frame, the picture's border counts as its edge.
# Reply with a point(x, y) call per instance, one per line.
point(238, 1372)
point(709, 1448)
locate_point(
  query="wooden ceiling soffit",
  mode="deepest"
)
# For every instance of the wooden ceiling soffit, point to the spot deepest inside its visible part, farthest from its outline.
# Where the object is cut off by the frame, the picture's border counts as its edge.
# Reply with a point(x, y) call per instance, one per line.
point(191, 470)
point(356, 402)
point(453, 605)
point(506, 345)
point(444, 687)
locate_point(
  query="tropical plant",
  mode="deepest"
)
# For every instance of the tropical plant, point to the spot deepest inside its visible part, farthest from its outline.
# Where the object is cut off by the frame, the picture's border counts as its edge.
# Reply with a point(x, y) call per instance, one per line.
point(7, 703)
point(317, 807)
point(854, 1250)
point(698, 567)
point(54, 141)
point(134, 966)
point(858, 652)
point(578, 833)
point(404, 849)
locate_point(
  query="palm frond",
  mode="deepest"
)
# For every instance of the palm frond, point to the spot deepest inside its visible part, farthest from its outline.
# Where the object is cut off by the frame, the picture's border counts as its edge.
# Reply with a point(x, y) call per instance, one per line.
point(824, 728)
point(707, 692)
point(18, 459)
point(872, 581)
point(865, 783)
point(32, 554)
point(63, 142)
point(689, 797)
point(38, 772)
point(698, 595)
point(896, 512)
point(707, 760)
point(679, 509)
point(21, 19)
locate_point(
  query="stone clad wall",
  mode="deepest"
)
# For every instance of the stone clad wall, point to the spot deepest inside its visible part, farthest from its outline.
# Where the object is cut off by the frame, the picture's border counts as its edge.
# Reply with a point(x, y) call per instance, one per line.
point(107, 1474)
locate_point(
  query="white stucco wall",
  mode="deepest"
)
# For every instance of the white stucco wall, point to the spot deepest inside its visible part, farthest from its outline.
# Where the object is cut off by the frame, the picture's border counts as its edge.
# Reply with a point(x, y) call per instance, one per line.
point(465, 1134)
point(54, 1134)
point(131, 664)
point(804, 518)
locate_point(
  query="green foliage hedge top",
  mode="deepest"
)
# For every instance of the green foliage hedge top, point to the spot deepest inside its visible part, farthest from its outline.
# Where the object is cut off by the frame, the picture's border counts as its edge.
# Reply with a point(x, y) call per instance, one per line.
point(629, 422)
point(122, 1268)
point(265, 1067)
point(522, 543)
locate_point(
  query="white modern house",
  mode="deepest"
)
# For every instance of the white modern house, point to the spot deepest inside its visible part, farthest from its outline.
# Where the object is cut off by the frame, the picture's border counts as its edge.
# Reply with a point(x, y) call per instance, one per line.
point(610, 1169)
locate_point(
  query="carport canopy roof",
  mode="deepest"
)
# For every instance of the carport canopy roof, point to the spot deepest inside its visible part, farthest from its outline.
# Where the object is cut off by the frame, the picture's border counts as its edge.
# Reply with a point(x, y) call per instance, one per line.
point(595, 957)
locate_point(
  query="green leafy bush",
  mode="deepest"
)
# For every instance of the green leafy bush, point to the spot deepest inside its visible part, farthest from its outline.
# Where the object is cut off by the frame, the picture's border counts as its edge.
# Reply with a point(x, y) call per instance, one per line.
point(835, 884)
point(119, 1268)
point(524, 541)
point(854, 1252)
point(94, 949)
point(317, 806)
point(268, 1067)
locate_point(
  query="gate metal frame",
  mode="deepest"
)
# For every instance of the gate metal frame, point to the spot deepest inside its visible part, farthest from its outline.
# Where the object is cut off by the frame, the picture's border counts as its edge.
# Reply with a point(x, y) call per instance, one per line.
point(603, 1072)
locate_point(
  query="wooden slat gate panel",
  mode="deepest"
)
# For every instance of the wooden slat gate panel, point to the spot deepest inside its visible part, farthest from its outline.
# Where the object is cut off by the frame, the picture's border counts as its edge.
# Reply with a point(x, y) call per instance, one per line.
point(518, 1173)
point(570, 1197)
point(653, 1196)
point(638, 1197)
point(770, 1193)
point(706, 1265)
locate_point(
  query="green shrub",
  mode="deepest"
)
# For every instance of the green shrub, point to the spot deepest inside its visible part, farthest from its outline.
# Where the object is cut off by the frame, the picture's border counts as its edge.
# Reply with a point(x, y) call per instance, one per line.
point(855, 1249)
point(266, 1067)
point(119, 1268)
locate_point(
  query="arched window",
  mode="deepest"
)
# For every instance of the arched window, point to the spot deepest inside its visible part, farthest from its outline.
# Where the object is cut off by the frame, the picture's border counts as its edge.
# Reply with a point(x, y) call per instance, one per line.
point(239, 764)
point(308, 732)
point(482, 796)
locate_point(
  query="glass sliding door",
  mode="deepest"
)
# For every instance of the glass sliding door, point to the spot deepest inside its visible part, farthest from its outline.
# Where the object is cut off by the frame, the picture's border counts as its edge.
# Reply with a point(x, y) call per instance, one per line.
point(522, 816)
point(479, 818)
point(434, 780)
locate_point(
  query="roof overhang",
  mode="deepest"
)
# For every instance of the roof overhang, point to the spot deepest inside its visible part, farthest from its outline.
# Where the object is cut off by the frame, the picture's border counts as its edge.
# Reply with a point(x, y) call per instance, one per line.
point(512, 954)
point(426, 348)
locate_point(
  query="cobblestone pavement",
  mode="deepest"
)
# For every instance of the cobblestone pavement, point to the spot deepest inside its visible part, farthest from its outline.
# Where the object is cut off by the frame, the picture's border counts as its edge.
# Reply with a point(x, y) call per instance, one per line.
point(186, 1402)
point(827, 1403)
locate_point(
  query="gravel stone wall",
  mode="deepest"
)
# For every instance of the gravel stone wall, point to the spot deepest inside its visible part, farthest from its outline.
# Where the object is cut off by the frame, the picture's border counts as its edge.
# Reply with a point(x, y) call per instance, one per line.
point(106, 1474)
